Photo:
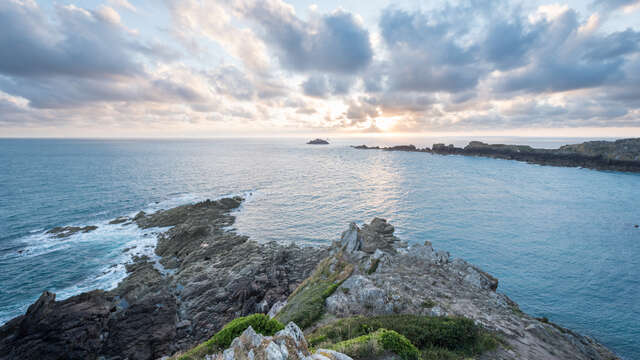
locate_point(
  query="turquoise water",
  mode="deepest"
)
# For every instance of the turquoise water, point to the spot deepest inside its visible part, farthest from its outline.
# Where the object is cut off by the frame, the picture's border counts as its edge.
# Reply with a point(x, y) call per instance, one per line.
point(561, 240)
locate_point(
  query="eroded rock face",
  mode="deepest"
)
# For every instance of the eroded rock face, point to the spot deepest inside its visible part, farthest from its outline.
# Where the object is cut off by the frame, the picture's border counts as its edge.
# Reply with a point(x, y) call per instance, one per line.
point(417, 279)
point(287, 344)
point(210, 276)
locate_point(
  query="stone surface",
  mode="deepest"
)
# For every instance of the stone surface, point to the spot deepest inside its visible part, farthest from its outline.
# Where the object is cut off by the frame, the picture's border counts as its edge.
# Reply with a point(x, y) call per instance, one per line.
point(210, 276)
point(288, 343)
point(420, 280)
point(207, 275)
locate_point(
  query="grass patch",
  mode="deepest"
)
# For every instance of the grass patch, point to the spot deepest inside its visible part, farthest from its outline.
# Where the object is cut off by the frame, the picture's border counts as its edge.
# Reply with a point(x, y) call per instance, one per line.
point(428, 304)
point(435, 337)
point(376, 344)
point(306, 304)
point(261, 323)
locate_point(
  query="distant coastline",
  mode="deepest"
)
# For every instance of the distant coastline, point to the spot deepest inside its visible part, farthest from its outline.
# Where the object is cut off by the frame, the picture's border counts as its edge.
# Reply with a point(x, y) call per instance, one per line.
point(619, 155)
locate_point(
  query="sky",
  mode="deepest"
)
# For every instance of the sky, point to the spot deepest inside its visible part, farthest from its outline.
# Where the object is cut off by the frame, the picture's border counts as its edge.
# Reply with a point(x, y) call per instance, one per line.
point(191, 68)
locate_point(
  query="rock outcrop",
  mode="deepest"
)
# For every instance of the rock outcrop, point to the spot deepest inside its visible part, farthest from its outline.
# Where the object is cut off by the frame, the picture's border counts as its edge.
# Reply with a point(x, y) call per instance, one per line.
point(390, 277)
point(205, 277)
point(287, 344)
point(620, 155)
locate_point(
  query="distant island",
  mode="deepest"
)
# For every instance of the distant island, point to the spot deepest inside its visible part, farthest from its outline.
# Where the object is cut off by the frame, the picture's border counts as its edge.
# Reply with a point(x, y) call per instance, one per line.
point(318, 142)
point(619, 155)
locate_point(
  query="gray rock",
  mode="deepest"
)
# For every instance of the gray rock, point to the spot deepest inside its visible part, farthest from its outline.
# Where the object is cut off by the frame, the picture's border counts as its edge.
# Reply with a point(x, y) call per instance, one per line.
point(288, 343)
point(66, 231)
point(350, 240)
point(217, 276)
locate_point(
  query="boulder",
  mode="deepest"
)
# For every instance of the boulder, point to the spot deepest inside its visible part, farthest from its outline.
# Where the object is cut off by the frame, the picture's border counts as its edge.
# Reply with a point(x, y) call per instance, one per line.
point(287, 344)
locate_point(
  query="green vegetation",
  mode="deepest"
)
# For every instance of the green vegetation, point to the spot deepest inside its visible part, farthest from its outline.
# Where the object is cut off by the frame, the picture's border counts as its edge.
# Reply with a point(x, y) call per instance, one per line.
point(377, 343)
point(374, 266)
point(428, 304)
point(435, 337)
point(306, 304)
point(261, 323)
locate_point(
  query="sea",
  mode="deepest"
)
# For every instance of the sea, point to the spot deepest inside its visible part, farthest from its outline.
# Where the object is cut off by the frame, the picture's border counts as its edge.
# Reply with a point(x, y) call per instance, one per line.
point(562, 241)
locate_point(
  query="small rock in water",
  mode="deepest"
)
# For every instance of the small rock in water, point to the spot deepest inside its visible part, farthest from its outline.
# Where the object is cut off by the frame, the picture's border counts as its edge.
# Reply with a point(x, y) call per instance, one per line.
point(636, 226)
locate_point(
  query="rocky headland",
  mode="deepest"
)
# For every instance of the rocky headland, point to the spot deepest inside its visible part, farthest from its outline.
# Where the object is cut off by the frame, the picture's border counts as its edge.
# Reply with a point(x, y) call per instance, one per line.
point(619, 155)
point(214, 294)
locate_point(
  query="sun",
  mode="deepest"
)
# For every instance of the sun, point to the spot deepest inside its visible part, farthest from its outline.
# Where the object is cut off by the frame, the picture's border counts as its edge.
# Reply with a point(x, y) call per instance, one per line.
point(386, 123)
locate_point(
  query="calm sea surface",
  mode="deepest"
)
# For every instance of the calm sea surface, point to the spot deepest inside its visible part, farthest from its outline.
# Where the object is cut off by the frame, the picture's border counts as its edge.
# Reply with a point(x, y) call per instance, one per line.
point(561, 240)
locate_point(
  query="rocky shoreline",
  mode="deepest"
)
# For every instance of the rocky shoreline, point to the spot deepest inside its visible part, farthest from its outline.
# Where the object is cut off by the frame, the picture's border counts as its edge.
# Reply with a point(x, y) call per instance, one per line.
point(619, 155)
point(207, 276)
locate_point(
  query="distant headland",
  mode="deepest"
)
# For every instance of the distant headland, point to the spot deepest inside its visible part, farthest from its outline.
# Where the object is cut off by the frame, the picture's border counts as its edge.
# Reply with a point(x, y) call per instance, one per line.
point(619, 155)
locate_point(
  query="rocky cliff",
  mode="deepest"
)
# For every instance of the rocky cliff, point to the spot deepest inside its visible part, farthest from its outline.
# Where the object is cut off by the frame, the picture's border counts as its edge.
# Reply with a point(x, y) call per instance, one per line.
point(205, 277)
point(620, 155)
point(369, 295)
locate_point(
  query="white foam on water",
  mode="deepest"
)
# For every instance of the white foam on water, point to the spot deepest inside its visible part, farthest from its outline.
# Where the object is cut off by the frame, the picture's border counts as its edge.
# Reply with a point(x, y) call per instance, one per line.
point(127, 238)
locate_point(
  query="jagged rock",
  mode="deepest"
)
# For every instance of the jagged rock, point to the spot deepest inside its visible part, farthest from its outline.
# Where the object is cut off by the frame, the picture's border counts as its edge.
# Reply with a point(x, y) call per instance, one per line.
point(288, 343)
point(216, 276)
point(219, 275)
point(422, 281)
point(350, 240)
point(275, 309)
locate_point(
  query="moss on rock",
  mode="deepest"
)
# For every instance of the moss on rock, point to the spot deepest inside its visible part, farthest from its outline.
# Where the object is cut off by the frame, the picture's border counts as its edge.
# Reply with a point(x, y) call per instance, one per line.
point(307, 303)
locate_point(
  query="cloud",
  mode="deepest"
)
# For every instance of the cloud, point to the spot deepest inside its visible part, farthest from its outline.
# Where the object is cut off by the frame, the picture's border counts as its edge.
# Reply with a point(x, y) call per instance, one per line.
point(569, 59)
point(82, 43)
point(616, 4)
point(250, 64)
point(123, 4)
point(333, 43)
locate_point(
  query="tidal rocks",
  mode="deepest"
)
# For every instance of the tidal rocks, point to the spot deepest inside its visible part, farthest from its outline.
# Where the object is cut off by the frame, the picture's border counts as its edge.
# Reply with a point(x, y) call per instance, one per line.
point(318, 142)
point(212, 275)
point(66, 231)
point(119, 220)
point(620, 155)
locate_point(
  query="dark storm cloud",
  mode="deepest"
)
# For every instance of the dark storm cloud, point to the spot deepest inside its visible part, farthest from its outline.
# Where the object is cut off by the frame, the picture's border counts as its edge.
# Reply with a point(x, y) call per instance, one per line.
point(337, 43)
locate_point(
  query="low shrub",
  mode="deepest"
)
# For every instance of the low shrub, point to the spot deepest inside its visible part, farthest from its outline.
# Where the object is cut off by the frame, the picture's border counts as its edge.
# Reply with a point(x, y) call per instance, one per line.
point(261, 323)
point(377, 343)
point(454, 335)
